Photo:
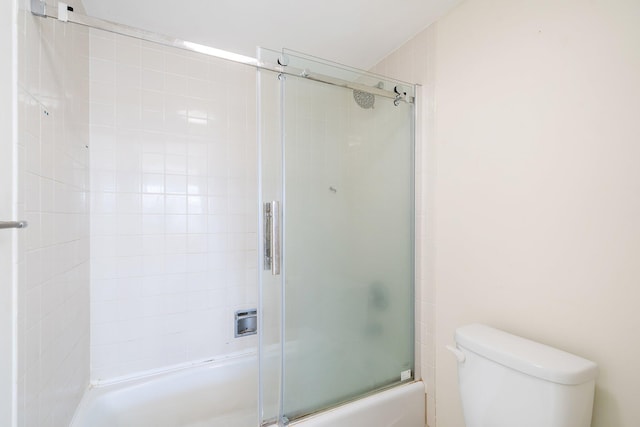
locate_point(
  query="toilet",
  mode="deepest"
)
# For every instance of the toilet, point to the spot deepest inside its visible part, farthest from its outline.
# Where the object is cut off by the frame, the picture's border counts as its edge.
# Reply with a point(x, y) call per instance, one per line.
point(509, 381)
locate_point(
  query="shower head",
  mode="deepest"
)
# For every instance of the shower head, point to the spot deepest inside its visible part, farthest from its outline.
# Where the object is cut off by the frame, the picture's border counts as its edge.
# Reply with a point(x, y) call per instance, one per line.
point(364, 99)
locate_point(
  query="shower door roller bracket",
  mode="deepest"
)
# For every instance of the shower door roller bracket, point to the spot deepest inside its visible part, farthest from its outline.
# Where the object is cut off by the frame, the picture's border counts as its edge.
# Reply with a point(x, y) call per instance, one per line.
point(271, 215)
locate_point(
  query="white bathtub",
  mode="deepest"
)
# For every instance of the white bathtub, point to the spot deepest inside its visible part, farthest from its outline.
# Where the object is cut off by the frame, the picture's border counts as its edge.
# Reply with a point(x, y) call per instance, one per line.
point(225, 395)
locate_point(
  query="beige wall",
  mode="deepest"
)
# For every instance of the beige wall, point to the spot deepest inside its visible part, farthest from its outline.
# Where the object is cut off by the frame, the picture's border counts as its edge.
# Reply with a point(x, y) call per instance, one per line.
point(537, 185)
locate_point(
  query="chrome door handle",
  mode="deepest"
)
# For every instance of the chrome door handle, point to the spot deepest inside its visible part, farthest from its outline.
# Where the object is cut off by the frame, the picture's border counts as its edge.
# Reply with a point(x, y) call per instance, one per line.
point(275, 238)
point(13, 224)
point(272, 237)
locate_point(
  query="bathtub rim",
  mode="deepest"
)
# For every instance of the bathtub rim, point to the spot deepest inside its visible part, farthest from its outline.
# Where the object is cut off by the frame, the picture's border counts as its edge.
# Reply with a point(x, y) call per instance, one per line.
point(194, 364)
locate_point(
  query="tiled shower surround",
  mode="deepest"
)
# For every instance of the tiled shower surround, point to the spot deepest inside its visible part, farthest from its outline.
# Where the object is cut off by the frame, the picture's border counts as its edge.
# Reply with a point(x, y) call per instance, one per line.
point(173, 163)
point(53, 251)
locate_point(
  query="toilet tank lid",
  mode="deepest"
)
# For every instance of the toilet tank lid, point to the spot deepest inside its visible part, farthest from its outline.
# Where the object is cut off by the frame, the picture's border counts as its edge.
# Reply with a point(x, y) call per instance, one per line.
point(526, 356)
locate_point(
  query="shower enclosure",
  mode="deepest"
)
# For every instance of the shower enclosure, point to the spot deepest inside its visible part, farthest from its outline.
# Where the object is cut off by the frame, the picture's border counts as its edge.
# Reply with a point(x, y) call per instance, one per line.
point(337, 252)
point(199, 239)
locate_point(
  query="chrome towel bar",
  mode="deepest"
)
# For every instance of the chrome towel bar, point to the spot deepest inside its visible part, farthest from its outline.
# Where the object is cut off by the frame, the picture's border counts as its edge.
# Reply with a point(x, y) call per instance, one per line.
point(13, 224)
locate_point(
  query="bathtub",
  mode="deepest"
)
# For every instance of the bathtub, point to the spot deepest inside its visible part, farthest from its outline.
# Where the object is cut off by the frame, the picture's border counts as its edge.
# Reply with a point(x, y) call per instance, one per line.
point(224, 394)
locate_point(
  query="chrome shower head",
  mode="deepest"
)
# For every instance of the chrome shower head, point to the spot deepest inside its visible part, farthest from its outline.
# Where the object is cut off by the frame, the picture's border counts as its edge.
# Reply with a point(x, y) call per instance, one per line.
point(364, 99)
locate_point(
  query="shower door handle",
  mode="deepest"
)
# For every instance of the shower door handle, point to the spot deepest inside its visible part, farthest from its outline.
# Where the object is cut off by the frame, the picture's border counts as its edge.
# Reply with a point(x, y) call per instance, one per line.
point(272, 237)
point(13, 224)
point(275, 238)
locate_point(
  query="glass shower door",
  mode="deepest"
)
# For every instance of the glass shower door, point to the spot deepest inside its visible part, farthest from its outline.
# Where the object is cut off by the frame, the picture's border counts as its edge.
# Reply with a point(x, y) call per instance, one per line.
point(346, 279)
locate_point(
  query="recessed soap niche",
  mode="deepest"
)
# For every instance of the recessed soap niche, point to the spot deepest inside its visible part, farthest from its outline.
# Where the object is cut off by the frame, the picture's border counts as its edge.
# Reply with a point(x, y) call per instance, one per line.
point(246, 322)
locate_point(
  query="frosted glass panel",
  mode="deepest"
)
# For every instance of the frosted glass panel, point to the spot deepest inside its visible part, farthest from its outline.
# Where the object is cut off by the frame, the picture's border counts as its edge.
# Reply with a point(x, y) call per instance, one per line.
point(348, 245)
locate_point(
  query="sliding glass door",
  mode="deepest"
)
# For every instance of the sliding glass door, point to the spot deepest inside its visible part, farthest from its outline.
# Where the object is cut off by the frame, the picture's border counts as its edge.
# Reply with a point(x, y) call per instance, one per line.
point(342, 180)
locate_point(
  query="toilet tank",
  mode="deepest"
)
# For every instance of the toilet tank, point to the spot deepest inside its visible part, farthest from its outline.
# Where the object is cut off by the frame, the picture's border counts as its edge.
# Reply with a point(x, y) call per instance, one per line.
point(509, 381)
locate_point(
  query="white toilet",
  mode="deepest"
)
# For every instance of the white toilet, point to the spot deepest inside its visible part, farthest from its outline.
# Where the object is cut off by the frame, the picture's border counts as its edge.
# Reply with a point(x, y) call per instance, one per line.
point(509, 381)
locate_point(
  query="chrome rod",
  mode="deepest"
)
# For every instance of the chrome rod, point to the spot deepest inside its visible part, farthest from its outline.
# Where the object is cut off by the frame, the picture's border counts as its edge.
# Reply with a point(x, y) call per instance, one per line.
point(38, 8)
point(13, 224)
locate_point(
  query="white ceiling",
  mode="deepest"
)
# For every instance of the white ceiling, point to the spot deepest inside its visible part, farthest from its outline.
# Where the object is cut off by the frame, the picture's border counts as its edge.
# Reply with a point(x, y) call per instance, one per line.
point(352, 32)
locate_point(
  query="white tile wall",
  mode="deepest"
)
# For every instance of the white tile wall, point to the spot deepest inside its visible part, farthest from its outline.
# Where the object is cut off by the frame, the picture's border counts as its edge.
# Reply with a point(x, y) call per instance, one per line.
point(173, 211)
point(53, 277)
